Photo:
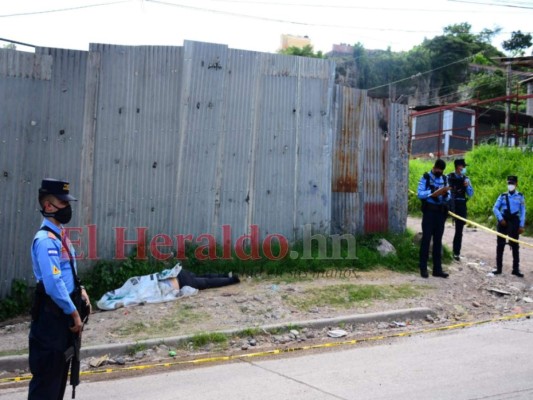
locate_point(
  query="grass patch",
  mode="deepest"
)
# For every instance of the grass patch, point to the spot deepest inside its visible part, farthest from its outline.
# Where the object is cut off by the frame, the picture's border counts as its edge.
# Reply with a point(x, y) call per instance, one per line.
point(21, 352)
point(347, 295)
point(182, 314)
point(203, 339)
point(132, 350)
point(250, 332)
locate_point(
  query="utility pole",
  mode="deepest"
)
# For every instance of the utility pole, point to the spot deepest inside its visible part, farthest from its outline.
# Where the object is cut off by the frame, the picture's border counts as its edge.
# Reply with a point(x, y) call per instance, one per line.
point(507, 106)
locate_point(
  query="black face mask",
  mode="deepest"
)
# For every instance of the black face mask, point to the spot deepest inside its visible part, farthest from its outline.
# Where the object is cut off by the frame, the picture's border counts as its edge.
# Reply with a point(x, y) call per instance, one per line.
point(62, 215)
point(438, 174)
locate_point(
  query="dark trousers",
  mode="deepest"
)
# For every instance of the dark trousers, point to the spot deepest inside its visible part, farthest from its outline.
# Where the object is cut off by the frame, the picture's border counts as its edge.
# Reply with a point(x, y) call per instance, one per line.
point(205, 281)
point(49, 338)
point(460, 210)
point(511, 230)
point(432, 227)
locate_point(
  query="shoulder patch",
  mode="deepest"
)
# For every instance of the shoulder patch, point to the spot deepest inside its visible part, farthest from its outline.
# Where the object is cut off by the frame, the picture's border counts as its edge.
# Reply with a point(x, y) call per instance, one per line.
point(55, 270)
point(52, 236)
point(53, 252)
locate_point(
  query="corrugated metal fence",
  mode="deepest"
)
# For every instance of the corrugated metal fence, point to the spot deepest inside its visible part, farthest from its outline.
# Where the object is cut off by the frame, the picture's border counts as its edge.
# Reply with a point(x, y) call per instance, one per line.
point(193, 140)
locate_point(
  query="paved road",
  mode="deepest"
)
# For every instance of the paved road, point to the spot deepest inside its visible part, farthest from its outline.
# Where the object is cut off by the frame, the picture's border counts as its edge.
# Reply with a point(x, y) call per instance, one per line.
point(493, 361)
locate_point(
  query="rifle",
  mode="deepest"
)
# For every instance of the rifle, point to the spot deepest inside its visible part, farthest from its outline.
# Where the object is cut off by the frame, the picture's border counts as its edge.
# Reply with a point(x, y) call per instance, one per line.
point(72, 354)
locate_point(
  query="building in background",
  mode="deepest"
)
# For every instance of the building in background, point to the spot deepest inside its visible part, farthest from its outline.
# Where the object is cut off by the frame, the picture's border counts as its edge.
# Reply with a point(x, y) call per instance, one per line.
point(294, 41)
point(342, 49)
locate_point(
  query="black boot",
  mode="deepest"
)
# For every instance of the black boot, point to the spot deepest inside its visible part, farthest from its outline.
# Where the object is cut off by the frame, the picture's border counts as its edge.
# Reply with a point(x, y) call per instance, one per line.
point(424, 273)
point(440, 274)
point(517, 272)
point(497, 271)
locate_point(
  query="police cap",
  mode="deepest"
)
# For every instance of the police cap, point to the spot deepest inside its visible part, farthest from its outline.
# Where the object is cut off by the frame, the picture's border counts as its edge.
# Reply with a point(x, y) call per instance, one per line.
point(512, 179)
point(57, 188)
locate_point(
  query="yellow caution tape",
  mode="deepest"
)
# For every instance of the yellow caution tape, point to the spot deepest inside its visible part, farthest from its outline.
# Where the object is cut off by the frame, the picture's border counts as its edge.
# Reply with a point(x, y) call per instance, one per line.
point(490, 230)
point(286, 350)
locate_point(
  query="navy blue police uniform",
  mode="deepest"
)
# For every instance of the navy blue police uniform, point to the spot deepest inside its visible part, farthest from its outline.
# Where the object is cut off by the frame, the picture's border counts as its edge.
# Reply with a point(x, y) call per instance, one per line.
point(50, 335)
point(459, 197)
point(511, 208)
point(434, 213)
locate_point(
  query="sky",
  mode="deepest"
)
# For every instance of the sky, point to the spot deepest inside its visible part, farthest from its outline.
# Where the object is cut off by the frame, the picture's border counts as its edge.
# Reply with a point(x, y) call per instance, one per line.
point(253, 24)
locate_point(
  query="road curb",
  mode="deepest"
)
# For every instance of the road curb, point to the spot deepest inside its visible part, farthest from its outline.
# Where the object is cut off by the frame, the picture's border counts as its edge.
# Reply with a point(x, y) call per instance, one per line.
point(11, 363)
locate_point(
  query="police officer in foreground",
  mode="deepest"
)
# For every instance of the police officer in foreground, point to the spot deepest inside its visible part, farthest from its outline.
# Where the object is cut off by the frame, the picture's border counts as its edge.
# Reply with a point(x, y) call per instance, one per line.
point(55, 318)
point(433, 191)
point(461, 191)
point(510, 210)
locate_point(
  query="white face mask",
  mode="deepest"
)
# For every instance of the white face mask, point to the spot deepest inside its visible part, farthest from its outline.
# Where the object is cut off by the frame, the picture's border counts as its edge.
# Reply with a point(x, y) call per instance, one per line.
point(511, 187)
point(463, 170)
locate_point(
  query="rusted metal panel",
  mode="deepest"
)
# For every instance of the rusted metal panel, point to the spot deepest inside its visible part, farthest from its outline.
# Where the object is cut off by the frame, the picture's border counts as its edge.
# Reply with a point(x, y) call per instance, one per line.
point(370, 153)
point(375, 150)
point(347, 137)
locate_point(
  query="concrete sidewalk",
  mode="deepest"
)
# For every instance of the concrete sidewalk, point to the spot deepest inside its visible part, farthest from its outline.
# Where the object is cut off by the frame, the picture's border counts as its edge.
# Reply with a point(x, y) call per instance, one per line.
point(10, 363)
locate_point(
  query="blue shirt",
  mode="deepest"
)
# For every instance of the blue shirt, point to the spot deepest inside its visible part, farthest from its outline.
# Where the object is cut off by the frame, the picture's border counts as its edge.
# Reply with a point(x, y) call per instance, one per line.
point(517, 204)
point(51, 265)
point(424, 192)
point(468, 189)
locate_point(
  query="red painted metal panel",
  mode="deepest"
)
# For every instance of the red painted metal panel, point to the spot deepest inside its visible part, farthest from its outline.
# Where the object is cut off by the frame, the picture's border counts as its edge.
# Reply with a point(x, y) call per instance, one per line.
point(376, 217)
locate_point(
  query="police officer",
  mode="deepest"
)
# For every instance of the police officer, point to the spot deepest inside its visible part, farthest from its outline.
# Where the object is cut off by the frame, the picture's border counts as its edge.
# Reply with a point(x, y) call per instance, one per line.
point(510, 210)
point(54, 317)
point(433, 191)
point(461, 191)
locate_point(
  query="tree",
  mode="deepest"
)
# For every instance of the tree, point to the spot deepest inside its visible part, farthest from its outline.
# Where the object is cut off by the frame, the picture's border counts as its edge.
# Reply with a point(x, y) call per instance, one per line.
point(483, 85)
point(518, 43)
point(10, 46)
point(306, 51)
point(451, 54)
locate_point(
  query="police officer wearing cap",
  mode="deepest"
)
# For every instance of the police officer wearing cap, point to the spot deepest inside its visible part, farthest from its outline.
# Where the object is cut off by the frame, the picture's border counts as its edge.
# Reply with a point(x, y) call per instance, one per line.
point(433, 191)
point(54, 316)
point(510, 210)
point(461, 191)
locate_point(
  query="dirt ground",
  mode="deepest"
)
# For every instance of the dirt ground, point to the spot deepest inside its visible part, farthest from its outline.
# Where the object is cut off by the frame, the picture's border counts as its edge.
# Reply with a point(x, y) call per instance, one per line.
point(468, 295)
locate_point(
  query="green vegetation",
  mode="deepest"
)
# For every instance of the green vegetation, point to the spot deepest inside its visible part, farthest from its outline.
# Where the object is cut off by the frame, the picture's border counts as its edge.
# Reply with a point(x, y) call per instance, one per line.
point(518, 43)
point(306, 51)
point(446, 57)
point(17, 303)
point(345, 296)
point(250, 332)
point(488, 169)
point(440, 65)
point(132, 350)
point(202, 339)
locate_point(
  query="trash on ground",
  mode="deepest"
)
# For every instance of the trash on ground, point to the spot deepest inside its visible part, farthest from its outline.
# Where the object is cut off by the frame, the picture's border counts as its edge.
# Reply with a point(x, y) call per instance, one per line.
point(337, 333)
point(499, 291)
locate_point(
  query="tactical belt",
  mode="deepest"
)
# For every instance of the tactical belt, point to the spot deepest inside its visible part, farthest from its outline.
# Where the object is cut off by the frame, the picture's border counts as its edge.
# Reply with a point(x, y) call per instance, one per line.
point(435, 207)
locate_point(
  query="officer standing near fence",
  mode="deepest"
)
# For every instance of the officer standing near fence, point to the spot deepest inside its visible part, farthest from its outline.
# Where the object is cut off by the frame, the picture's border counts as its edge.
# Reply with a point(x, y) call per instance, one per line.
point(461, 191)
point(510, 210)
point(55, 319)
point(433, 191)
